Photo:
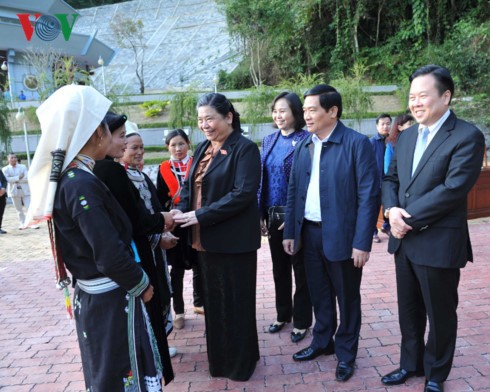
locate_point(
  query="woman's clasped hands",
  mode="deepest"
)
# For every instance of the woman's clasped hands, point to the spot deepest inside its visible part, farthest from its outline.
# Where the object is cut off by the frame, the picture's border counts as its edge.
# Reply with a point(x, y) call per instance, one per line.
point(184, 219)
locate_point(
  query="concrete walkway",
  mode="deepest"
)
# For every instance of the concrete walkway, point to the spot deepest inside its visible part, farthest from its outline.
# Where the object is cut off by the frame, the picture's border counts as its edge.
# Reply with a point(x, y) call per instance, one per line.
point(39, 351)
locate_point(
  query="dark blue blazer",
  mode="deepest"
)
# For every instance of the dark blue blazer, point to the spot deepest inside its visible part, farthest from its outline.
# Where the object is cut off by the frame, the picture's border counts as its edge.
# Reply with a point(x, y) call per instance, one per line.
point(267, 145)
point(436, 195)
point(349, 187)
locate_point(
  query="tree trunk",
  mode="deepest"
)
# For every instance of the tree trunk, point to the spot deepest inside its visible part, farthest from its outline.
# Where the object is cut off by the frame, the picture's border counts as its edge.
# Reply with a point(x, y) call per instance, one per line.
point(378, 22)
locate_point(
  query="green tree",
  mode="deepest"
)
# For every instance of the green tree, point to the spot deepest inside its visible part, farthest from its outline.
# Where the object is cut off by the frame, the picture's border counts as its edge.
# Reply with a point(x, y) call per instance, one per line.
point(469, 41)
point(42, 63)
point(183, 110)
point(330, 36)
point(301, 82)
point(257, 107)
point(51, 70)
point(355, 100)
point(251, 28)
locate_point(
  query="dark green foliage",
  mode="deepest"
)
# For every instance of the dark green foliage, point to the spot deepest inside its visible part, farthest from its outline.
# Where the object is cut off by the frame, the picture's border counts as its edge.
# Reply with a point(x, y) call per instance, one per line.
point(466, 53)
point(79, 4)
point(238, 79)
point(282, 38)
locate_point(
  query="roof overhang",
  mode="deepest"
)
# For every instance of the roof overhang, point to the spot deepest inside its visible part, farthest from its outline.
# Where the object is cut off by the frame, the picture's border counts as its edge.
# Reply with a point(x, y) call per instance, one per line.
point(43, 6)
point(85, 49)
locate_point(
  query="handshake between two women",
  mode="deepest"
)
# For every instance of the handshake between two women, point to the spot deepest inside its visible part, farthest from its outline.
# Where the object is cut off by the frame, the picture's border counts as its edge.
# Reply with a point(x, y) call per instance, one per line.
point(173, 218)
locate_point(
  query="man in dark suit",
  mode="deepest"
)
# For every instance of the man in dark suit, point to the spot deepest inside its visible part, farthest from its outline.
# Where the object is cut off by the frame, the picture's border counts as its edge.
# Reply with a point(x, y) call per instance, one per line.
point(331, 210)
point(435, 165)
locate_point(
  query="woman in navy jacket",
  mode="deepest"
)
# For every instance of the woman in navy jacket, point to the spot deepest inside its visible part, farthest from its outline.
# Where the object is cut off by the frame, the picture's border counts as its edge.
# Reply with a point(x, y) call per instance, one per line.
point(277, 158)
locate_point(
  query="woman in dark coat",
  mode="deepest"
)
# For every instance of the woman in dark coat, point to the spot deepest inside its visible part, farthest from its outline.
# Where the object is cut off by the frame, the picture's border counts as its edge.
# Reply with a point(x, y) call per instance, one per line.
point(170, 179)
point(147, 228)
point(219, 203)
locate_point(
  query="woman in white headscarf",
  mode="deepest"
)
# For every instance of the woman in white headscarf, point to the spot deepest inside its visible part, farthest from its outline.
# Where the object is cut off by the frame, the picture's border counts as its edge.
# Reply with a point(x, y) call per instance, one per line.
point(92, 236)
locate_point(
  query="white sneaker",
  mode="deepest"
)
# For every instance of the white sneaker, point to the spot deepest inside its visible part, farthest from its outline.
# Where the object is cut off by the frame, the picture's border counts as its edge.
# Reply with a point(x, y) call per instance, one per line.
point(34, 227)
point(172, 352)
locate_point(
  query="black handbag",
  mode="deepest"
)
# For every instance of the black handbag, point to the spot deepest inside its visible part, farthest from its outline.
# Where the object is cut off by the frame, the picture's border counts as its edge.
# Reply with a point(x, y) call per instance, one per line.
point(276, 216)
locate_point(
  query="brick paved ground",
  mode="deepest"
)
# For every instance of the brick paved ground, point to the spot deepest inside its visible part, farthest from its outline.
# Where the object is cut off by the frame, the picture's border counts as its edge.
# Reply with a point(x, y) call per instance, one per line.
point(39, 352)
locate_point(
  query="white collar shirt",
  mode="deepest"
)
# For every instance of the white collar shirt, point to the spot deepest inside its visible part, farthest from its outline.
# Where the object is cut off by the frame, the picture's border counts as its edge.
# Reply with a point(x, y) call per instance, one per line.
point(312, 205)
point(434, 128)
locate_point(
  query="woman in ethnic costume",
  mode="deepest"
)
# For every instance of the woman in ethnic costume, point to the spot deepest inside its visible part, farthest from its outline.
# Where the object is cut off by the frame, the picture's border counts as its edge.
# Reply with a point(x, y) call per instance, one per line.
point(219, 203)
point(149, 246)
point(170, 179)
point(92, 239)
point(147, 231)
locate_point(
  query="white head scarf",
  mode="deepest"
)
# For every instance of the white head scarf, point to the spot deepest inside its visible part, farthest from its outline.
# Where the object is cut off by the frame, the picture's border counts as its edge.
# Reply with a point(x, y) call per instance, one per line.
point(68, 118)
point(131, 128)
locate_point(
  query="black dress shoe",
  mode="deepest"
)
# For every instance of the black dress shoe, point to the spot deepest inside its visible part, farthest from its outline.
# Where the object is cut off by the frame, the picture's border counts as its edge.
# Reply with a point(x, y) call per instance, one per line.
point(344, 371)
point(273, 328)
point(298, 336)
point(399, 376)
point(434, 386)
point(307, 354)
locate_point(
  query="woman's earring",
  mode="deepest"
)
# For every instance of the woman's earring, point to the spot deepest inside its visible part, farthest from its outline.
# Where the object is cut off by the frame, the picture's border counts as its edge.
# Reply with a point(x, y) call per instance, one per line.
point(100, 139)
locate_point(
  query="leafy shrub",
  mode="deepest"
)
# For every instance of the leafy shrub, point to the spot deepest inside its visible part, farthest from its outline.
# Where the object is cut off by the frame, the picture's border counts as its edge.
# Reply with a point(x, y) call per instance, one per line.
point(183, 111)
point(355, 100)
point(239, 78)
point(154, 108)
point(257, 106)
point(301, 82)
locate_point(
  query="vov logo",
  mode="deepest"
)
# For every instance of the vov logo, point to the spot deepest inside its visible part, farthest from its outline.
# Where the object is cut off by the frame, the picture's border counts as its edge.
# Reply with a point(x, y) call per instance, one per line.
point(47, 27)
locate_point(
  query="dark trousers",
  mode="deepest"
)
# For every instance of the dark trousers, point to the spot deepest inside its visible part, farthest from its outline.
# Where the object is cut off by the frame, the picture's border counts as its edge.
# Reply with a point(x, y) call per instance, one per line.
point(298, 307)
point(3, 202)
point(177, 280)
point(386, 221)
point(229, 294)
point(427, 292)
point(327, 281)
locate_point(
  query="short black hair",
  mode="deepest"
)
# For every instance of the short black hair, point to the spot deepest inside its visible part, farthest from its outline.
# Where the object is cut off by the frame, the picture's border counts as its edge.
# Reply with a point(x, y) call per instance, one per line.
point(383, 115)
point(329, 97)
point(223, 106)
point(296, 107)
point(444, 80)
point(175, 133)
